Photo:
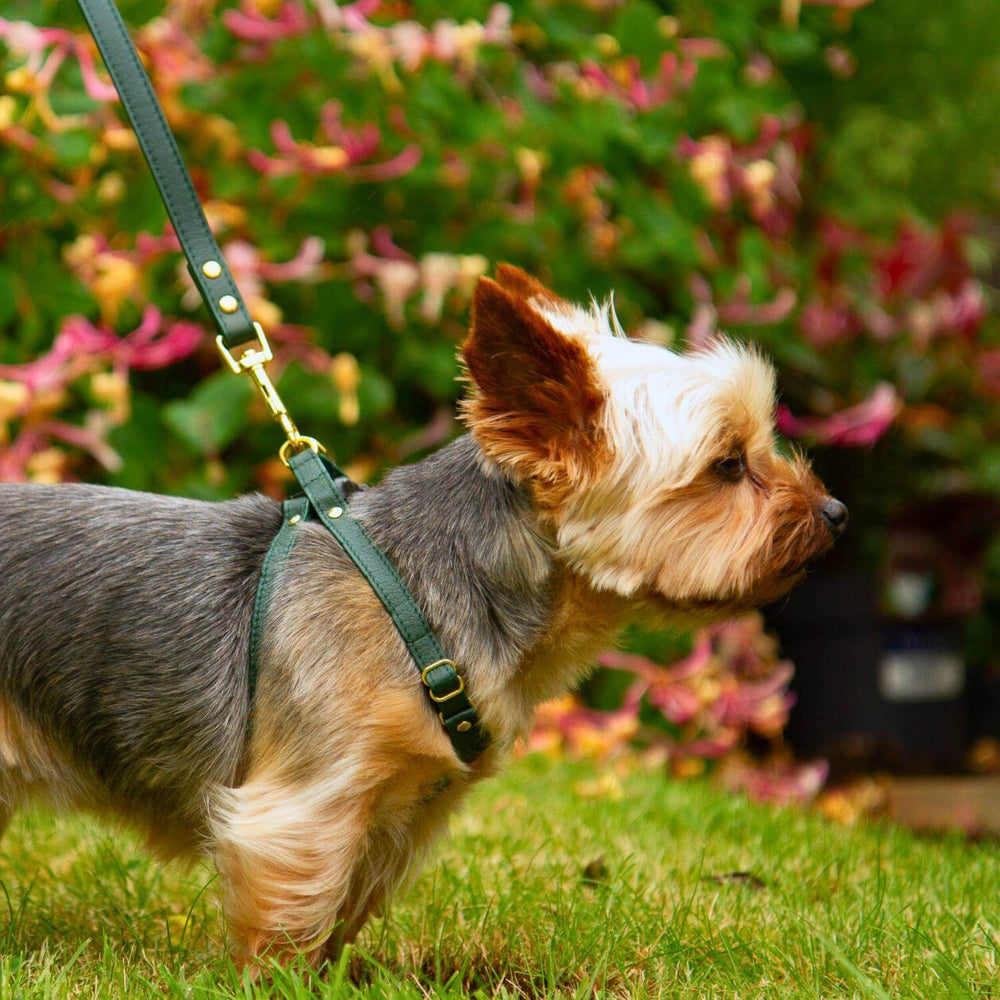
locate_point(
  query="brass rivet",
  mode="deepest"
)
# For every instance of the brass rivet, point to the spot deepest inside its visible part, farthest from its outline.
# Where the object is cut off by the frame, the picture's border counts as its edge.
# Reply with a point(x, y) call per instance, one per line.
point(228, 304)
point(335, 511)
point(464, 727)
point(211, 269)
point(295, 518)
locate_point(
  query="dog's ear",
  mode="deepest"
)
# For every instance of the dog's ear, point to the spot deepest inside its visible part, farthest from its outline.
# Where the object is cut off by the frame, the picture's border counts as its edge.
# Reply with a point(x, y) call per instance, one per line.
point(537, 391)
point(513, 279)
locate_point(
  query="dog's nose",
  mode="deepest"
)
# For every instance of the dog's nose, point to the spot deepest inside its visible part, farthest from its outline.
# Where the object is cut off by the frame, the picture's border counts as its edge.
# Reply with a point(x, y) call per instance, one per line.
point(834, 514)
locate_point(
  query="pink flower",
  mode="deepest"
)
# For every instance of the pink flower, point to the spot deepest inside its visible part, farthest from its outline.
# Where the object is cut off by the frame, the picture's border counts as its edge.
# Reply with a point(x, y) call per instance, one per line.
point(825, 322)
point(710, 748)
point(703, 48)
point(629, 87)
point(45, 50)
point(762, 705)
point(250, 25)
point(922, 261)
point(411, 44)
point(305, 266)
point(858, 426)
point(344, 152)
point(173, 55)
point(348, 16)
point(397, 280)
point(946, 313)
point(155, 343)
point(782, 783)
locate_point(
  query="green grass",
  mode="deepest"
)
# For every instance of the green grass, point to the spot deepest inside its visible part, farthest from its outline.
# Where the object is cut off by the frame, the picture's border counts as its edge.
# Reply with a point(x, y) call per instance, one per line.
point(545, 889)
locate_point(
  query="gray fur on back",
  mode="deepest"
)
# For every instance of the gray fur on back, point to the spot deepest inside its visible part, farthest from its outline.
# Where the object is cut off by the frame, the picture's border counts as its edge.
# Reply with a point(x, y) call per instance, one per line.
point(124, 621)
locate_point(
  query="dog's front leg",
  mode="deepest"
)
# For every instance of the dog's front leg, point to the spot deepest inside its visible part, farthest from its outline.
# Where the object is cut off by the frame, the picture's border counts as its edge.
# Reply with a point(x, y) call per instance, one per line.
point(285, 854)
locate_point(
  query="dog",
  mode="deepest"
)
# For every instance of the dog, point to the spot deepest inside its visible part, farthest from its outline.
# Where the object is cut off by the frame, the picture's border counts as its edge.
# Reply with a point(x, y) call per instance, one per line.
point(601, 479)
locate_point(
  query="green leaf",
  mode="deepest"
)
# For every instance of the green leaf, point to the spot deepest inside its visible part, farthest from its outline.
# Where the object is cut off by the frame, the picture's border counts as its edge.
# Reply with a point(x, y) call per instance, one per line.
point(637, 31)
point(141, 443)
point(8, 304)
point(213, 415)
point(72, 148)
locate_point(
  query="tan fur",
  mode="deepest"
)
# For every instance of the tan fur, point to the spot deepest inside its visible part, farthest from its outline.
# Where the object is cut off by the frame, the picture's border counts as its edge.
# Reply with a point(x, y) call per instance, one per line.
point(32, 765)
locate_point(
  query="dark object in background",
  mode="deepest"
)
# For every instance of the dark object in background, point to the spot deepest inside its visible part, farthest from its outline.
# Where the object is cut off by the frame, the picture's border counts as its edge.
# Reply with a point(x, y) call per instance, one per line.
point(869, 695)
point(881, 679)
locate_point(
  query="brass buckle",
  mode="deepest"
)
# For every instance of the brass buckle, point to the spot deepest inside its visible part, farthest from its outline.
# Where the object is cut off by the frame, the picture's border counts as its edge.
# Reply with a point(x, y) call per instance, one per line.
point(251, 362)
point(451, 694)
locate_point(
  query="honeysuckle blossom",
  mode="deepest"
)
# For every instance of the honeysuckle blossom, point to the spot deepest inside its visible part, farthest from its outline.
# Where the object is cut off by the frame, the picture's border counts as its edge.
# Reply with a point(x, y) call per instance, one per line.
point(921, 260)
point(31, 393)
point(439, 273)
point(250, 24)
point(406, 43)
point(738, 311)
point(826, 321)
point(344, 151)
point(154, 343)
point(411, 44)
point(346, 376)
point(857, 426)
point(44, 51)
point(397, 276)
point(623, 80)
point(346, 16)
point(565, 725)
point(946, 313)
point(397, 280)
point(763, 173)
point(174, 58)
point(919, 285)
point(731, 683)
point(33, 456)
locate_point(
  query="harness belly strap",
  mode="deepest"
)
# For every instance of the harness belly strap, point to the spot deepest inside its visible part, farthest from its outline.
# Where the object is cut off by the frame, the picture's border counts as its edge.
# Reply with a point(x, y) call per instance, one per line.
point(293, 513)
point(326, 502)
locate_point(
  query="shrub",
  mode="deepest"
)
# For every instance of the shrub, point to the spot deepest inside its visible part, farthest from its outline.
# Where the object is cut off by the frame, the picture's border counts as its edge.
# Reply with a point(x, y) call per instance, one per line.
point(784, 173)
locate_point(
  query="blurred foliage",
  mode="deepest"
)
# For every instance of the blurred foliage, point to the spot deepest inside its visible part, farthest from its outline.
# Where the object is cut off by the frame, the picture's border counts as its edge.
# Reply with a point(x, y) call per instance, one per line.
point(748, 165)
point(820, 177)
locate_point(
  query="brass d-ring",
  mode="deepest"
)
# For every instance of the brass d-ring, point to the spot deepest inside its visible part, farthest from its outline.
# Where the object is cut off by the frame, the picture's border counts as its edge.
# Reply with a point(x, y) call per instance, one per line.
point(298, 444)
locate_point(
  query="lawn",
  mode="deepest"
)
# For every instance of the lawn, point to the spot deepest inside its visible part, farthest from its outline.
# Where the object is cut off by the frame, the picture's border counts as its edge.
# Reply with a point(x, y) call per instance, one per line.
point(555, 883)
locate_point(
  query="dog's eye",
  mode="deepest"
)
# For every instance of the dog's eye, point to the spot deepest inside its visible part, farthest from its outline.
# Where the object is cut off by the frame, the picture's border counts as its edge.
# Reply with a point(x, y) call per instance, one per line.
point(732, 468)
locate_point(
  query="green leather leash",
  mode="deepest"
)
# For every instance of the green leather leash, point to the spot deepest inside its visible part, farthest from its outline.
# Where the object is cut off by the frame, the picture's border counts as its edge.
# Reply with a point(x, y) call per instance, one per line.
point(324, 499)
point(205, 262)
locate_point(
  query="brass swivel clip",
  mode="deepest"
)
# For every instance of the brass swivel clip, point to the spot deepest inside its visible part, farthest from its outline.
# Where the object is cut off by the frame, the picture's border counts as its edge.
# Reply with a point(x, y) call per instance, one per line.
point(252, 362)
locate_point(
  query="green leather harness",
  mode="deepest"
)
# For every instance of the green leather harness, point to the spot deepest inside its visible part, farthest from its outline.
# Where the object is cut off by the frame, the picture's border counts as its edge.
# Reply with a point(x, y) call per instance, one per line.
point(323, 484)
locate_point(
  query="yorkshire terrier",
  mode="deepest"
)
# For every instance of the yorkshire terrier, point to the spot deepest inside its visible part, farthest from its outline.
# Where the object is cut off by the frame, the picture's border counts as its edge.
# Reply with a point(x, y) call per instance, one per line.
point(601, 479)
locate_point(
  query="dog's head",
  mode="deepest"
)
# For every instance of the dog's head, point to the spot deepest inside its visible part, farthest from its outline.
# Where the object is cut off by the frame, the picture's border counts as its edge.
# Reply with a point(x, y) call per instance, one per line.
point(658, 472)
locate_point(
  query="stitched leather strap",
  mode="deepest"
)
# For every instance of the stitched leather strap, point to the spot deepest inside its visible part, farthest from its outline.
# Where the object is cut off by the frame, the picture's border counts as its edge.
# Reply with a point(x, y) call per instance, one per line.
point(445, 687)
point(172, 178)
point(294, 513)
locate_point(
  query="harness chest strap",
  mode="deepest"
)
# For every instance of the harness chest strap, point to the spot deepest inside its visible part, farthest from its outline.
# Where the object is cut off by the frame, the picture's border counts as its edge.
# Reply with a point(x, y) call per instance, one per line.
point(323, 499)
